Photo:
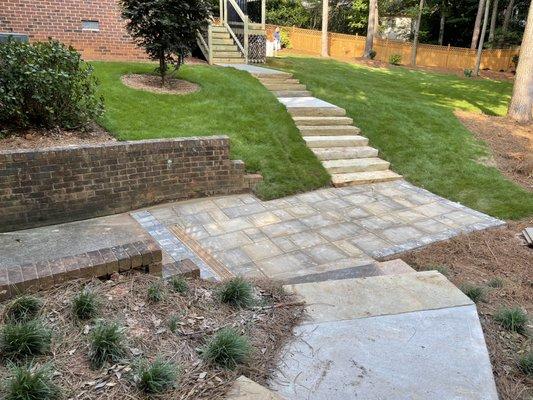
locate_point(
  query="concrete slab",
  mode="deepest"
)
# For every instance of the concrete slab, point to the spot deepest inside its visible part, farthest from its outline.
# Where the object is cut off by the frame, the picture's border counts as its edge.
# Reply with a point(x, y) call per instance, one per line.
point(69, 239)
point(426, 355)
point(246, 389)
point(379, 295)
point(290, 102)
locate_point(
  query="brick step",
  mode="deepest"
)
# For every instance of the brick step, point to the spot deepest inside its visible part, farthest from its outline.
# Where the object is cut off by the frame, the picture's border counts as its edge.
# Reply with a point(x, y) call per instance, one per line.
point(334, 130)
point(339, 153)
point(355, 165)
point(284, 86)
point(217, 60)
point(360, 178)
point(316, 111)
point(335, 141)
point(322, 121)
point(278, 81)
point(291, 93)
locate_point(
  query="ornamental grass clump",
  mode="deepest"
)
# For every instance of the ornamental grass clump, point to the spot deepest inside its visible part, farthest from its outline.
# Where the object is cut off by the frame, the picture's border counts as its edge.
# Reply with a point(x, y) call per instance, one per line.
point(236, 292)
point(156, 292)
point(156, 377)
point(24, 339)
point(85, 305)
point(227, 348)
point(106, 344)
point(23, 308)
point(179, 284)
point(28, 382)
point(512, 319)
point(525, 363)
point(475, 293)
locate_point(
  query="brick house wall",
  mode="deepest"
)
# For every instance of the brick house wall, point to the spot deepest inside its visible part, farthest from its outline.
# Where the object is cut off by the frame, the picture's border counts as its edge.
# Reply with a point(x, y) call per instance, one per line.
point(40, 187)
point(64, 20)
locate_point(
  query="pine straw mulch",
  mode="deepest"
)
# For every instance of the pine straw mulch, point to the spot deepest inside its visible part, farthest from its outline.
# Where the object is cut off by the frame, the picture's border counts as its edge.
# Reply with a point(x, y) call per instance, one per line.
point(36, 138)
point(152, 83)
point(511, 144)
point(476, 258)
point(124, 299)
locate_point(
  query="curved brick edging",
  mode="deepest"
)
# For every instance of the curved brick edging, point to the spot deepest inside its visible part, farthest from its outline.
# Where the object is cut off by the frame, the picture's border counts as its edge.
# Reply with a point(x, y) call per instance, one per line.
point(54, 185)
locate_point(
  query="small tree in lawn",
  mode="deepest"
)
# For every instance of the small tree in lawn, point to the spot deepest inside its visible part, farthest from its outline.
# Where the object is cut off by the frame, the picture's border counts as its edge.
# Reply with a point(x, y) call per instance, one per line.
point(165, 28)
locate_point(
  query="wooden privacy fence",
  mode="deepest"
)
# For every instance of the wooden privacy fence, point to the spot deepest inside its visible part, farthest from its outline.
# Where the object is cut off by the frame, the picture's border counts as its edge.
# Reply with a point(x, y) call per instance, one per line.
point(347, 47)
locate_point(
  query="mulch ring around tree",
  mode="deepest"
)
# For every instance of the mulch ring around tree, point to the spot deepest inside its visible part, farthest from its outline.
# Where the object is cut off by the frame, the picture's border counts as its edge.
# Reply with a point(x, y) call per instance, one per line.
point(152, 83)
point(173, 329)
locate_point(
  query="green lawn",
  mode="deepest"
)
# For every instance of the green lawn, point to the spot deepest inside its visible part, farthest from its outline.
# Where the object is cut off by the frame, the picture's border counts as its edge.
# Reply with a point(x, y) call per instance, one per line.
point(230, 102)
point(408, 116)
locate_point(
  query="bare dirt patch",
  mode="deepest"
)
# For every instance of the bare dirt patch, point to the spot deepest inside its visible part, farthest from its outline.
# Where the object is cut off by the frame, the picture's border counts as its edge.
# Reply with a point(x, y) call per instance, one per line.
point(43, 138)
point(200, 314)
point(511, 144)
point(477, 258)
point(152, 83)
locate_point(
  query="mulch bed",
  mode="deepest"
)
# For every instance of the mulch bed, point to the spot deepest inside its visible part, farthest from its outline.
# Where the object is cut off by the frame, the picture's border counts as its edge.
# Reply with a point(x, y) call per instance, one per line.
point(42, 138)
point(511, 144)
point(152, 83)
point(476, 258)
point(124, 299)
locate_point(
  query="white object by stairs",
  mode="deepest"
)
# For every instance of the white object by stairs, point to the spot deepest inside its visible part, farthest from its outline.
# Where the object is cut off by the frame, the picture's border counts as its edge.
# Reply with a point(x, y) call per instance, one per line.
point(328, 132)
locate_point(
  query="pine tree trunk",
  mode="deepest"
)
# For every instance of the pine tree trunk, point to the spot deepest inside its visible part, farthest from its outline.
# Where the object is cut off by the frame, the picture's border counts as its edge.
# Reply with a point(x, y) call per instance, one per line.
point(442, 22)
point(325, 17)
point(477, 24)
point(376, 19)
point(521, 106)
point(370, 29)
point(162, 68)
point(506, 19)
point(417, 31)
point(482, 39)
point(493, 19)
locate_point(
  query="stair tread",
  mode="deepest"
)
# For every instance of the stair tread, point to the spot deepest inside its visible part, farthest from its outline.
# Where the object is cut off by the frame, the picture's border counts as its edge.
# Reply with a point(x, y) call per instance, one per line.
point(322, 121)
point(354, 161)
point(335, 153)
point(343, 138)
point(343, 179)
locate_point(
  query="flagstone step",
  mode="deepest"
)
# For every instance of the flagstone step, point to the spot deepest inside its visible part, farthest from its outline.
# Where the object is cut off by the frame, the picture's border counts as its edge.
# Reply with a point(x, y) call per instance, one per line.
point(246, 389)
point(316, 111)
point(356, 165)
point(291, 93)
point(339, 153)
point(360, 178)
point(322, 121)
point(279, 80)
point(335, 141)
point(284, 86)
point(274, 75)
point(334, 130)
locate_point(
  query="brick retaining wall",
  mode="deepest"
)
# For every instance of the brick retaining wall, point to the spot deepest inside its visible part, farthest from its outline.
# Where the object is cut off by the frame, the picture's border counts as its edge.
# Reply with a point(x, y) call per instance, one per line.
point(49, 186)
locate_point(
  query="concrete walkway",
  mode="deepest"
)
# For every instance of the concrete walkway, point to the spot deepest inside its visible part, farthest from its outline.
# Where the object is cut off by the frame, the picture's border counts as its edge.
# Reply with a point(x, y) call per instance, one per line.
point(329, 233)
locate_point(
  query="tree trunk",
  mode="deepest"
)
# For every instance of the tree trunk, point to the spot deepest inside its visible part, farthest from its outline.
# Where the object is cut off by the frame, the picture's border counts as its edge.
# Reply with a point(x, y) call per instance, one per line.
point(493, 19)
point(521, 106)
point(482, 39)
point(506, 19)
point(417, 31)
point(376, 19)
point(370, 29)
point(325, 17)
point(477, 24)
point(162, 68)
point(442, 22)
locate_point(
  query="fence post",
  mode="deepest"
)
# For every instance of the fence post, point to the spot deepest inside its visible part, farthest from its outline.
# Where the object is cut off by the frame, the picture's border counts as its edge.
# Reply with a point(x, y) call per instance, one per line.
point(447, 56)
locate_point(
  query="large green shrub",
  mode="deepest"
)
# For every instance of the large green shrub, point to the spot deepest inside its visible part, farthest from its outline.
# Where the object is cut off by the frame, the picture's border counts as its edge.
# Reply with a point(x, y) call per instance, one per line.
point(46, 84)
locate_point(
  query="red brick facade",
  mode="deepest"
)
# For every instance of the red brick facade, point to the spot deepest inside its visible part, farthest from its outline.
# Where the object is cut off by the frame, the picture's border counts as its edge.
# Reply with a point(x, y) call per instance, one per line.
point(63, 20)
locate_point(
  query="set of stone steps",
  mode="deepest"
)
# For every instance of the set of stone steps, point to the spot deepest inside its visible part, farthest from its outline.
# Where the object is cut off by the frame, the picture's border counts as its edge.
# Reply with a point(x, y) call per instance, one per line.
point(225, 51)
point(329, 133)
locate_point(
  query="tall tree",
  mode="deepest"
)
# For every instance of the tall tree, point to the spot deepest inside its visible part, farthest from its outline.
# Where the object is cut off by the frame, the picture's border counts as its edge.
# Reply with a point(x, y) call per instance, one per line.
point(376, 18)
point(442, 21)
point(521, 106)
point(369, 44)
point(477, 24)
point(493, 19)
point(416, 33)
point(482, 39)
point(325, 18)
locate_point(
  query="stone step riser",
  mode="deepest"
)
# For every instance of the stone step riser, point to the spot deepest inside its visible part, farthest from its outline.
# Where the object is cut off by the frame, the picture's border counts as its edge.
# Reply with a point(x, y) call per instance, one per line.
point(345, 152)
point(363, 178)
point(316, 111)
point(357, 165)
point(291, 93)
point(280, 81)
point(329, 130)
point(284, 86)
point(322, 121)
point(335, 141)
point(281, 75)
point(228, 60)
